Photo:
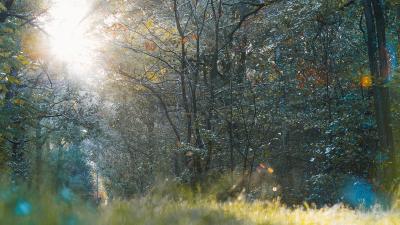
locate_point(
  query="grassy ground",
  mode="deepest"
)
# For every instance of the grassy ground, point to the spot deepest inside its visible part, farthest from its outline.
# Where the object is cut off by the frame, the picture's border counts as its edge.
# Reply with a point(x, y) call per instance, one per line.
point(209, 212)
point(18, 208)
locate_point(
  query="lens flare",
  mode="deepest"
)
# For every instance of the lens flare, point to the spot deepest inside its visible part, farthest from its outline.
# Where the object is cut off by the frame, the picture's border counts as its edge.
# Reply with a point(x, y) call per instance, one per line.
point(71, 39)
point(366, 81)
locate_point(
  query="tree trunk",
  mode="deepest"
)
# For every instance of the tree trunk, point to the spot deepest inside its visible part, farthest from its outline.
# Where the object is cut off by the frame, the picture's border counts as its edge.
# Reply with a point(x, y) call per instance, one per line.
point(39, 155)
point(182, 74)
point(217, 10)
point(379, 66)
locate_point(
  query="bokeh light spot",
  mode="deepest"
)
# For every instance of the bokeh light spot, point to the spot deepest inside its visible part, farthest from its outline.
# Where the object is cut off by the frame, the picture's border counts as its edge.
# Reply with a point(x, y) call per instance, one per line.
point(366, 81)
point(66, 194)
point(358, 192)
point(23, 208)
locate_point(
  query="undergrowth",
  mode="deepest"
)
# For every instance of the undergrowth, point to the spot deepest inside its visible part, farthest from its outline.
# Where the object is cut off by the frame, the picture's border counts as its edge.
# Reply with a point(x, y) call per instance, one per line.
point(168, 206)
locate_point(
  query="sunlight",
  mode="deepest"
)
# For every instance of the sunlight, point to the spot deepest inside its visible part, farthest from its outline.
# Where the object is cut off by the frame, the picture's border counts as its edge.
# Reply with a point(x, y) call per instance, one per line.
point(70, 39)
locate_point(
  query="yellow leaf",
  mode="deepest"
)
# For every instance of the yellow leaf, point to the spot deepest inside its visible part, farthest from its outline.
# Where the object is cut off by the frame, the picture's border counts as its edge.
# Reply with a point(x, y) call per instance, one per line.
point(23, 60)
point(149, 23)
point(152, 76)
point(167, 35)
point(30, 46)
point(163, 71)
point(13, 80)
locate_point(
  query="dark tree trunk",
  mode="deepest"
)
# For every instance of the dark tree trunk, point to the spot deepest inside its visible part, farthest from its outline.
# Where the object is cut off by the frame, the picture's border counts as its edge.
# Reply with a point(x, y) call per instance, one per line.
point(217, 12)
point(39, 156)
point(379, 66)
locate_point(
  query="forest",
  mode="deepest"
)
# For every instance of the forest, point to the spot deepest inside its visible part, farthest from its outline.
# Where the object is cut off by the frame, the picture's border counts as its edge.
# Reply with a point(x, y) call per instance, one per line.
point(199, 112)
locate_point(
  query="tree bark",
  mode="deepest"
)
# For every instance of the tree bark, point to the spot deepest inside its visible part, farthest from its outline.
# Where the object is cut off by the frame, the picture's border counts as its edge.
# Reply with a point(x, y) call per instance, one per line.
point(379, 66)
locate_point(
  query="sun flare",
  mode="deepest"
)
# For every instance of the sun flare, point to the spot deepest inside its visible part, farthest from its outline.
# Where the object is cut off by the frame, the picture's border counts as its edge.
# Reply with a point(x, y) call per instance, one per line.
point(69, 35)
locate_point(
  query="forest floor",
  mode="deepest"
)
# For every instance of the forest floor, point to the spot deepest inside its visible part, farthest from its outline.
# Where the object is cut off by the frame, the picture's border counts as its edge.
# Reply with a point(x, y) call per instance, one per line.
point(206, 212)
point(159, 210)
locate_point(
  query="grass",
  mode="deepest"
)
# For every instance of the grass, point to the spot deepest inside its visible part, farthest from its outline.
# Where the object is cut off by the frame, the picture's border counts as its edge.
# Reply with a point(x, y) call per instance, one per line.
point(239, 212)
point(20, 207)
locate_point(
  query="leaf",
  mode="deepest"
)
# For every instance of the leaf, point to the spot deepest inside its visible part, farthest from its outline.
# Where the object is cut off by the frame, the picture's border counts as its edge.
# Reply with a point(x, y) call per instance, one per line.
point(30, 46)
point(167, 35)
point(184, 40)
point(13, 80)
point(152, 76)
point(163, 71)
point(118, 27)
point(3, 88)
point(194, 37)
point(23, 60)
point(6, 68)
point(2, 7)
point(19, 101)
point(5, 54)
point(150, 46)
point(149, 23)
point(8, 30)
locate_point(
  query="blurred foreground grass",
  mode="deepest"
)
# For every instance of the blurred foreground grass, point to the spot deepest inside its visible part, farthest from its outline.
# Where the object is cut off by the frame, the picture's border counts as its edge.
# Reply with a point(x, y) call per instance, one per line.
point(19, 207)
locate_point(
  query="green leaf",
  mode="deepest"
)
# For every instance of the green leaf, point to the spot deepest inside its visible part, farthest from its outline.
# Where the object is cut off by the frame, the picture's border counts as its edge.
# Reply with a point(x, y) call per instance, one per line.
point(6, 68)
point(23, 60)
point(5, 54)
point(13, 80)
point(2, 7)
point(3, 88)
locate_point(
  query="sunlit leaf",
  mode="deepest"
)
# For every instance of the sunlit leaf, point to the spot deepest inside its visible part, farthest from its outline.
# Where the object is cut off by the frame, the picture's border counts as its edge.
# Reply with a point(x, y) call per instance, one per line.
point(31, 46)
point(149, 23)
point(2, 7)
point(194, 37)
point(150, 46)
point(6, 68)
point(163, 71)
point(152, 76)
point(13, 80)
point(184, 40)
point(23, 60)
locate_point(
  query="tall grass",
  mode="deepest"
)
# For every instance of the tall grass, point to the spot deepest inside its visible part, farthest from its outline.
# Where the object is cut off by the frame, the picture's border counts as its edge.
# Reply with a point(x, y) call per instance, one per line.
point(172, 205)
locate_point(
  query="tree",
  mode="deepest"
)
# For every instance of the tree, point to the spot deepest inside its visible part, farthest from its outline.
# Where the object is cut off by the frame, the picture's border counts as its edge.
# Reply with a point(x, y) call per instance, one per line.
point(379, 67)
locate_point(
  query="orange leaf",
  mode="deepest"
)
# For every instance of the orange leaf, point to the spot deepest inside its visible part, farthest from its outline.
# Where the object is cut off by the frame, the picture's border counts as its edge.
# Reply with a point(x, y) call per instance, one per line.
point(195, 37)
point(184, 40)
point(150, 46)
